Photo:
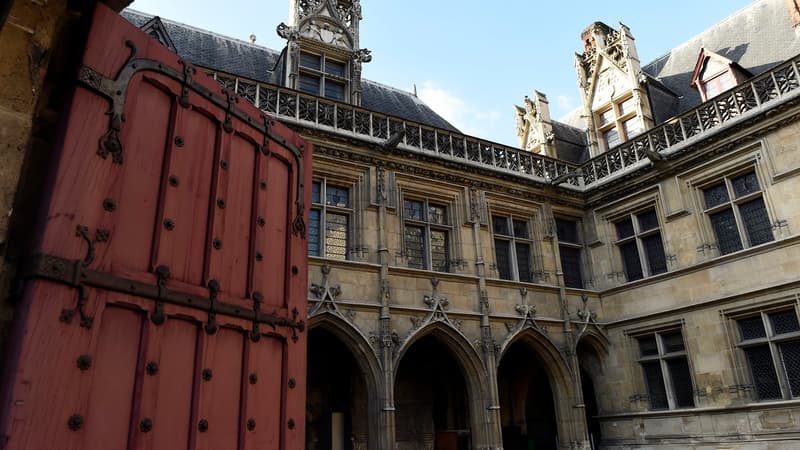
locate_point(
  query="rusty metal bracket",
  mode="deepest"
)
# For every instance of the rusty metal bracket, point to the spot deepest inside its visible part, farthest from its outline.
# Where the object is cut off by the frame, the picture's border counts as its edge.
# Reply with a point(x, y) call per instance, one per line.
point(188, 71)
point(255, 333)
point(213, 290)
point(72, 273)
point(116, 91)
point(158, 317)
point(231, 99)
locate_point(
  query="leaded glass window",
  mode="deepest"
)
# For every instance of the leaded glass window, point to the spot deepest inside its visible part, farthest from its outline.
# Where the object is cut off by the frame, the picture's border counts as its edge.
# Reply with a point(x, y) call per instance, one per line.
point(618, 122)
point(666, 370)
point(569, 249)
point(737, 213)
point(323, 76)
point(512, 246)
point(640, 244)
point(771, 345)
point(426, 235)
point(329, 220)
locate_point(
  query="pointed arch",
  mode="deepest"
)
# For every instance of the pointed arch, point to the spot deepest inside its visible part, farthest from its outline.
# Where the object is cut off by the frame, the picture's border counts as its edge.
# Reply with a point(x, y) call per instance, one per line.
point(471, 366)
point(595, 339)
point(551, 356)
point(366, 359)
point(559, 374)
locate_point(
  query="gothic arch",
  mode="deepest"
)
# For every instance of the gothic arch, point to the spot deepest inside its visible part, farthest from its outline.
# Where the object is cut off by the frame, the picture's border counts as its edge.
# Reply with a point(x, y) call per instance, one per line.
point(559, 374)
point(596, 340)
point(472, 369)
point(368, 362)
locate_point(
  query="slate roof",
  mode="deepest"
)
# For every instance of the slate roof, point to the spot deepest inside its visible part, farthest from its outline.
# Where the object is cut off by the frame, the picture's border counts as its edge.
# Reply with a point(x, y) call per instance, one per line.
point(256, 62)
point(758, 37)
point(571, 143)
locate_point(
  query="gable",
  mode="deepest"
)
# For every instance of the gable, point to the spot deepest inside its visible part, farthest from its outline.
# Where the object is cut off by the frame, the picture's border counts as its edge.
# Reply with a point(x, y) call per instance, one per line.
point(610, 82)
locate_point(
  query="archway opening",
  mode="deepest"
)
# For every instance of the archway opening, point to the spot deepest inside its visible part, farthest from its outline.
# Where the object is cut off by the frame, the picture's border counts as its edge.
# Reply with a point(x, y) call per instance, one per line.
point(336, 395)
point(431, 399)
point(527, 407)
point(590, 364)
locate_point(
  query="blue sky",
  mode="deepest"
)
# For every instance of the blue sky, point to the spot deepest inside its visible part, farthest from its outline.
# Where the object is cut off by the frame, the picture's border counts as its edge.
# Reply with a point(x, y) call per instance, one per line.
point(472, 60)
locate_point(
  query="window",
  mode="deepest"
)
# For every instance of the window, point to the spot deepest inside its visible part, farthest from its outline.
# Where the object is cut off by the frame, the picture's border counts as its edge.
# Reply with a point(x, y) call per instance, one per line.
point(569, 248)
point(771, 344)
point(735, 207)
point(512, 246)
point(320, 75)
point(333, 214)
point(426, 235)
point(666, 370)
point(619, 122)
point(640, 245)
point(718, 83)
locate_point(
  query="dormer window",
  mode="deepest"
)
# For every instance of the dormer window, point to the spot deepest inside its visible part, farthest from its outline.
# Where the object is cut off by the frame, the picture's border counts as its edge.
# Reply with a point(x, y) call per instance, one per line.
point(718, 83)
point(715, 74)
point(323, 76)
point(618, 122)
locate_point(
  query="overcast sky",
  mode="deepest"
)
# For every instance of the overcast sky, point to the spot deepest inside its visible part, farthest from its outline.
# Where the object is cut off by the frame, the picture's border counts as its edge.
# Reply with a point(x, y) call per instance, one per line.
point(472, 60)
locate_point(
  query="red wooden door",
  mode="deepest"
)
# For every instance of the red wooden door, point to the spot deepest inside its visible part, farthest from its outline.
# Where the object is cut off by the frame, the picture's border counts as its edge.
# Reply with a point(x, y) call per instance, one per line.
point(166, 306)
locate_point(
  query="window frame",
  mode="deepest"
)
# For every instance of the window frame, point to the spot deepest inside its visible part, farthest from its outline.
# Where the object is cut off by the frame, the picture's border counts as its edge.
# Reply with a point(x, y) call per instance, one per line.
point(428, 226)
point(617, 122)
point(323, 75)
point(772, 341)
point(662, 357)
point(572, 245)
point(512, 239)
point(638, 236)
point(324, 208)
point(734, 203)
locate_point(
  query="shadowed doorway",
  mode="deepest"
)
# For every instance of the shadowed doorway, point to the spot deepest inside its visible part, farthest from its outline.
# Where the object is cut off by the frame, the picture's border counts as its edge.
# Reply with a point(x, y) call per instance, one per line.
point(336, 402)
point(526, 401)
point(432, 407)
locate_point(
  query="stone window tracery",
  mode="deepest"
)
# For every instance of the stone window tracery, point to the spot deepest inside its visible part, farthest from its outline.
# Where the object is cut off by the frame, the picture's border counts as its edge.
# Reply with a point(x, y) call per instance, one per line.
point(426, 235)
point(665, 367)
point(329, 220)
point(770, 341)
point(618, 122)
point(322, 75)
point(569, 248)
point(512, 243)
point(737, 213)
point(640, 244)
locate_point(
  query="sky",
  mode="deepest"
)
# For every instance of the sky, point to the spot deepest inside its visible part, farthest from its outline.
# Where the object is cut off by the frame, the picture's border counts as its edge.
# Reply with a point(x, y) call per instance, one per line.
point(472, 60)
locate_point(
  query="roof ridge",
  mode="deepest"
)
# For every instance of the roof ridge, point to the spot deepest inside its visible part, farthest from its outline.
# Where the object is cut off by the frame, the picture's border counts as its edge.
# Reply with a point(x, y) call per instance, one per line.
point(201, 30)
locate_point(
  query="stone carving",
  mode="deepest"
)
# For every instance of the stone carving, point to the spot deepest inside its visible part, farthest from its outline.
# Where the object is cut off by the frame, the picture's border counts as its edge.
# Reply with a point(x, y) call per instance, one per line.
point(287, 32)
point(362, 55)
point(326, 296)
point(587, 316)
point(325, 32)
point(308, 7)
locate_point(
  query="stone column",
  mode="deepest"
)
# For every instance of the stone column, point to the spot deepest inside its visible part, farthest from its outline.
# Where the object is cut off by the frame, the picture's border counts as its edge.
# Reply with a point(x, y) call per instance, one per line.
point(386, 340)
point(493, 433)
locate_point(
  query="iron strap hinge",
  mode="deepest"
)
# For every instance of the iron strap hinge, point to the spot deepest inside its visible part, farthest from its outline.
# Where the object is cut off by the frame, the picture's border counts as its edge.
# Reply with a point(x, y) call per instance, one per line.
point(72, 273)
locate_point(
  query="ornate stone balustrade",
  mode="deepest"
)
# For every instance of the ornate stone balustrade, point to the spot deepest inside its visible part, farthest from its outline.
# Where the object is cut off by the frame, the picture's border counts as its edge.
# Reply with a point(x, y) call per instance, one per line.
point(341, 118)
point(677, 133)
point(673, 135)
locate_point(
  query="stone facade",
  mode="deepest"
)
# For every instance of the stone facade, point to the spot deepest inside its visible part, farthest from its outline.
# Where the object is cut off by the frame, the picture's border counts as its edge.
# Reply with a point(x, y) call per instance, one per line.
point(469, 295)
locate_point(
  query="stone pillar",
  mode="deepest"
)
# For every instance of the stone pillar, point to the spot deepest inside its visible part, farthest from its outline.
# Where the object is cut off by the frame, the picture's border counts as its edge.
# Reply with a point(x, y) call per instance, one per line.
point(493, 434)
point(386, 341)
point(577, 431)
